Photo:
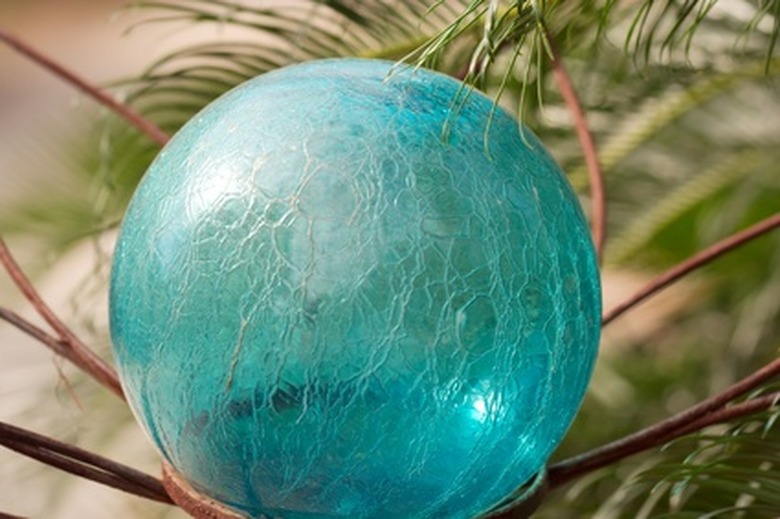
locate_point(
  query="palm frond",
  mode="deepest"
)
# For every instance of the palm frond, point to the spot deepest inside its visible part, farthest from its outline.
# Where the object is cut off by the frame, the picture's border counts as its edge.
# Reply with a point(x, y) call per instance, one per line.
point(275, 35)
point(98, 173)
point(664, 28)
point(659, 110)
point(723, 473)
point(644, 226)
point(468, 38)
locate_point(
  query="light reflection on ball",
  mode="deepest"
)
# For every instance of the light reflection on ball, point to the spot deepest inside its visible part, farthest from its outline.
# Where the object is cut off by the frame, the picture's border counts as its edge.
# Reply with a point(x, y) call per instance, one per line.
point(334, 296)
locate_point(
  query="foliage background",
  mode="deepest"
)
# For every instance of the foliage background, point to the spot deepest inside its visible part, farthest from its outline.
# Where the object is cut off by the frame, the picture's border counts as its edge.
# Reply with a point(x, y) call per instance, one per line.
point(685, 107)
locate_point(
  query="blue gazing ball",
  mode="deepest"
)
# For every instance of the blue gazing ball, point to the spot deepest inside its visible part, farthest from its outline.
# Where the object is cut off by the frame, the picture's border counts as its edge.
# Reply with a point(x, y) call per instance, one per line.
point(345, 289)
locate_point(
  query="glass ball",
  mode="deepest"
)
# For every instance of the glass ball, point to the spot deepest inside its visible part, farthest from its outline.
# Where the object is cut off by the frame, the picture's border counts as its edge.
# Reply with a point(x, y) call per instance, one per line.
point(348, 289)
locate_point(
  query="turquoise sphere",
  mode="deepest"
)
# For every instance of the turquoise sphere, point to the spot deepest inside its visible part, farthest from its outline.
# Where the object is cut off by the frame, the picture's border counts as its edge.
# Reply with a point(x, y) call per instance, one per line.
point(352, 289)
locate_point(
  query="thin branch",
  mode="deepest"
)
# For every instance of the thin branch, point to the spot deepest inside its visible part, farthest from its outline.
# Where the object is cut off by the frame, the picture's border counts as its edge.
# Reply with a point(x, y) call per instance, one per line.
point(660, 433)
point(124, 111)
point(731, 413)
point(57, 345)
point(696, 261)
point(80, 353)
point(82, 463)
point(587, 143)
point(4, 515)
point(78, 469)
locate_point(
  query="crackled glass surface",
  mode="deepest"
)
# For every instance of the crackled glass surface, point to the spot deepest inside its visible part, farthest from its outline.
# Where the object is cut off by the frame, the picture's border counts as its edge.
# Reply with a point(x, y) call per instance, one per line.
point(343, 293)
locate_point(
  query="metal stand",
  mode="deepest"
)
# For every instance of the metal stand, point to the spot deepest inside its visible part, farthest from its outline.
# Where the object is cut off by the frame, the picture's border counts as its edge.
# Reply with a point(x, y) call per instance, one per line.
point(520, 506)
point(189, 500)
point(525, 501)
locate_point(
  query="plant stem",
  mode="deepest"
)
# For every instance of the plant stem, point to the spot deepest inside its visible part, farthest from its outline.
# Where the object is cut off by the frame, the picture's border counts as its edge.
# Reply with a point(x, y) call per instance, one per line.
point(58, 346)
point(696, 261)
point(82, 463)
point(124, 111)
point(79, 353)
point(685, 422)
point(727, 414)
point(587, 143)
